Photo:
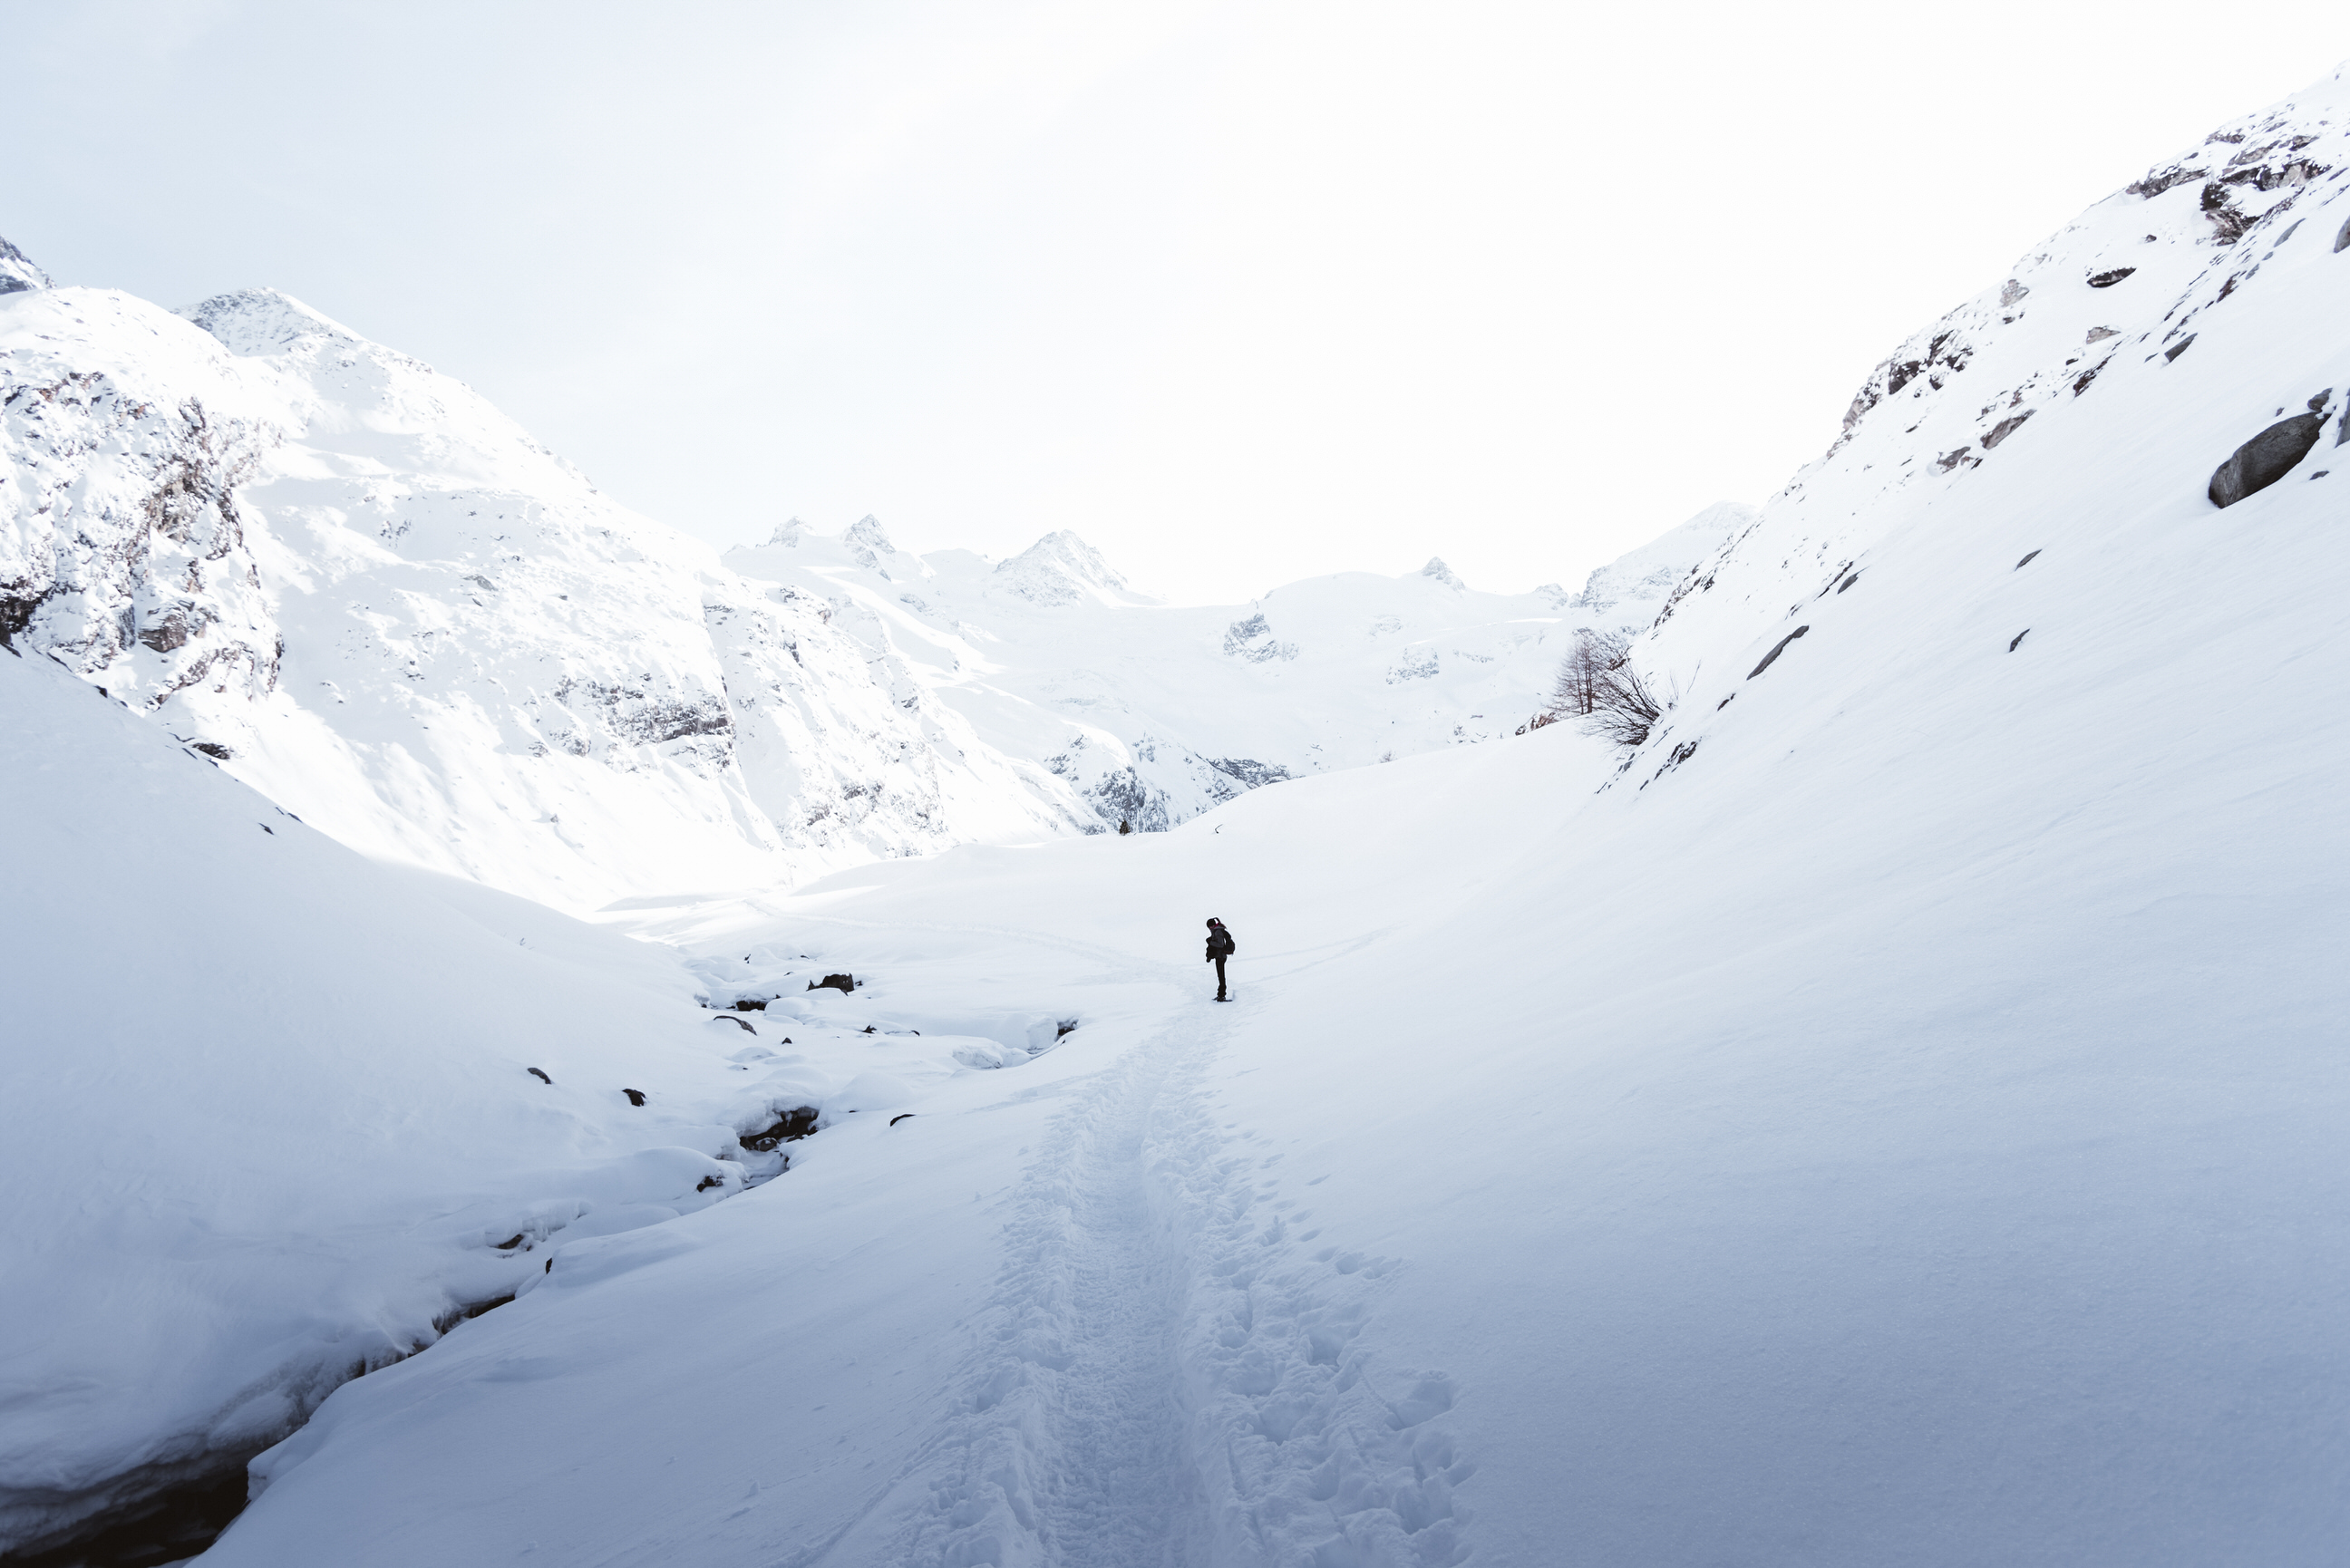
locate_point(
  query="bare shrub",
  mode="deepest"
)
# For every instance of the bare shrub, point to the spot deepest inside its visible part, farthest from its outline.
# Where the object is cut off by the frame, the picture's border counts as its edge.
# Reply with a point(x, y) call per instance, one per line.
point(1587, 658)
point(1598, 683)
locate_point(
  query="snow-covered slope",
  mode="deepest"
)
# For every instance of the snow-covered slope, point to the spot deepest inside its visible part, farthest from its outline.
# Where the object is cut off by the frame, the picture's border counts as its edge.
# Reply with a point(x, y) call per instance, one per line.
point(377, 600)
point(271, 1113)
point(1156, 713)
point(1893, 1115)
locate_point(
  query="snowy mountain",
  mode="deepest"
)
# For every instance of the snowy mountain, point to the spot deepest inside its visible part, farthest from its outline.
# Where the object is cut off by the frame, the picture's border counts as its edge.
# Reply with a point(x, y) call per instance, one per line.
point(1891, 1115)
point(377, 600)
point(1154, 714)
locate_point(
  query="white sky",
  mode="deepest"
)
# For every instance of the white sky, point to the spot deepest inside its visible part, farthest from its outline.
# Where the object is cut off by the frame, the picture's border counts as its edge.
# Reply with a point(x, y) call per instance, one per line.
point(1240, 292)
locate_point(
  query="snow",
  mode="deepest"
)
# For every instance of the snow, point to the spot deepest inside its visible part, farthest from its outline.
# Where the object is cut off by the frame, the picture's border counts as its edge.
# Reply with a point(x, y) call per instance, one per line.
point(1154, 714)
point(270, 1110)
point(1892, 1115)
point(380, 602)
point(394, 612)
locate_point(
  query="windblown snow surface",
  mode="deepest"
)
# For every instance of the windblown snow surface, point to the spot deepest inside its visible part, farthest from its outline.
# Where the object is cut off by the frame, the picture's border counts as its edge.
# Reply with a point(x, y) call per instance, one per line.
point(1893, 1115)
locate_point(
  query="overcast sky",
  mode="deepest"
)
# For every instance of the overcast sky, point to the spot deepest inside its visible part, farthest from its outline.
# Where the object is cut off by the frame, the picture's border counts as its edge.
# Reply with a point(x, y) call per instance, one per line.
point(1241, 292)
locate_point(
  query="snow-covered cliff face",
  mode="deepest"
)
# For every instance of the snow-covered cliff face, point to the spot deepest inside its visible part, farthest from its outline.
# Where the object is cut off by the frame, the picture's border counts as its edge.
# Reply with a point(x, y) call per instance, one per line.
point(1154, 715)
point(374, 597)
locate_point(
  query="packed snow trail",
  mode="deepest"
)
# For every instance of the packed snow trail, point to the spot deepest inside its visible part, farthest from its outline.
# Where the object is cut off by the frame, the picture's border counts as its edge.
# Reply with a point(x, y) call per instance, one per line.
point(1074, 1440)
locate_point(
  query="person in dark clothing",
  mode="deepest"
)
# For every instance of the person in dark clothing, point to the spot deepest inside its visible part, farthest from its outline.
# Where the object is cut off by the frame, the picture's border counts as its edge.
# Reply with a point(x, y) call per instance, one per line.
point(1220, 948)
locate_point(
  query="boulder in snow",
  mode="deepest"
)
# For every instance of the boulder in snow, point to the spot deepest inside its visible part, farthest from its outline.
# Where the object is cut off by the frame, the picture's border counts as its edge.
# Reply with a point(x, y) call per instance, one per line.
point(2265, 458)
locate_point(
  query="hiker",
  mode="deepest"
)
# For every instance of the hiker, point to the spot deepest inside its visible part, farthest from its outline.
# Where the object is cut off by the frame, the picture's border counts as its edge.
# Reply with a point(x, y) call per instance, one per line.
point(1220, 948)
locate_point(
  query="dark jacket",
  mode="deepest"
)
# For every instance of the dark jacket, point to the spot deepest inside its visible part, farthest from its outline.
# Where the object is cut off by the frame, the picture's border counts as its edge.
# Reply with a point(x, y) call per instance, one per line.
point(1220, 944)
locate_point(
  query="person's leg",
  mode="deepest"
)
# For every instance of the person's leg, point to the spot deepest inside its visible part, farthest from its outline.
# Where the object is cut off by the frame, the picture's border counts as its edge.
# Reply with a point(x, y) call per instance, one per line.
point(1220, 974)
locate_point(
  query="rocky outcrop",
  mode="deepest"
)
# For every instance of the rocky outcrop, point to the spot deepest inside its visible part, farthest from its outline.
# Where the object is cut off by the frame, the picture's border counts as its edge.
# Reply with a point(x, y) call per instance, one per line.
point(1254, 640)
point(2265, 458)
point(18, 273)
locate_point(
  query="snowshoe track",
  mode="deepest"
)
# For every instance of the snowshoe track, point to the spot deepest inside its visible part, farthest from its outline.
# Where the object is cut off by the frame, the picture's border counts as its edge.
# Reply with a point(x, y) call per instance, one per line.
point(1167, 1374)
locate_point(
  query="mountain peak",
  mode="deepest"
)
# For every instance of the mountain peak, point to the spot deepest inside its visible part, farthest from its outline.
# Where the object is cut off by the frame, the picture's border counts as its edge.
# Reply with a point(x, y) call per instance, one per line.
point(1058, 569)
point(18, 273)
point(787, 534)
point(258, 321)
point(1443, 574)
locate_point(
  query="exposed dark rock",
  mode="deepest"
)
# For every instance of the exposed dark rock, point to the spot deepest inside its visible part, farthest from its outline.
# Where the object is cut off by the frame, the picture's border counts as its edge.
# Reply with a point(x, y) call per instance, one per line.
point(740, 1023)
point(636, 1096)
point(842, 983)
point(2228, 221)
point(1947, 351)
point(2175, 349)
point(2026, 561)
point(2265, 458)
point(1847, 582)
point(2342, 239)
point(1067, 1025)
point(2018, 637)
point(214, 749)
point(745, 1004)
point(16, 613)
point(2006, 427)
point(2269, 177)
point(511, 1243)
point(541, 1076)
point(901, 1116)
point(1773, 657)
point(2161, 180)
point(707, 1182)
point(2107, 279)
point(167, 633)
point(1249, 773)
point(789, 1127)
point(1950, 459)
